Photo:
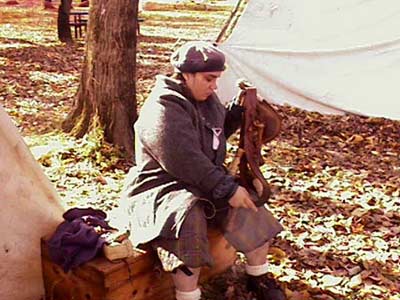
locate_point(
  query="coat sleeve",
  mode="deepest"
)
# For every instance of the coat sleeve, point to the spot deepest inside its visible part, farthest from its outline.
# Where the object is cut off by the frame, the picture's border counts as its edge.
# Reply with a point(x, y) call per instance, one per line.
point(172, 139)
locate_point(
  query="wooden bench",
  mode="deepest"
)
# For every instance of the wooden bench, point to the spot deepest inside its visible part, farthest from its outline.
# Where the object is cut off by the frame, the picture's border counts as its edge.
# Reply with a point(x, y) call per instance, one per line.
point(138, 277)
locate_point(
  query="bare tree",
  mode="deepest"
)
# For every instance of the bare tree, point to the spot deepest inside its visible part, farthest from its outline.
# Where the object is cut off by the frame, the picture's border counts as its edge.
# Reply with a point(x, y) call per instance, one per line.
point(106, 95)
point(64, 31)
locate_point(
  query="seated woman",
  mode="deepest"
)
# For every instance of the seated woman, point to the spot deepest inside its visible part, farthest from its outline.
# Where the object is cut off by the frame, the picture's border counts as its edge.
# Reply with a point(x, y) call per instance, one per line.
point(181, 186)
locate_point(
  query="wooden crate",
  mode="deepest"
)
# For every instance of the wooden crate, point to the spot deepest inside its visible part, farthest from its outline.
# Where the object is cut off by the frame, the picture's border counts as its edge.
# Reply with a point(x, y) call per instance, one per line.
point(136, 278)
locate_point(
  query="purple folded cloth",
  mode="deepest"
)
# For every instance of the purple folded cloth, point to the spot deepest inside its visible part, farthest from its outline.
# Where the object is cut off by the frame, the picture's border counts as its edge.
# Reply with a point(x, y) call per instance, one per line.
point(76, 240)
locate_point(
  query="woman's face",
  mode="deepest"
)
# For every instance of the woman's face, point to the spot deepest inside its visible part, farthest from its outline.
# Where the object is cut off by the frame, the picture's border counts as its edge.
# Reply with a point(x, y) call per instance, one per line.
point(202, 84)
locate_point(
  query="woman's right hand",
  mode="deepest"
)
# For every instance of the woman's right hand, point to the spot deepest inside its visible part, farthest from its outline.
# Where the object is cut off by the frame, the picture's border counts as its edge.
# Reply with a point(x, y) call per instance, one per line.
point(241, 198)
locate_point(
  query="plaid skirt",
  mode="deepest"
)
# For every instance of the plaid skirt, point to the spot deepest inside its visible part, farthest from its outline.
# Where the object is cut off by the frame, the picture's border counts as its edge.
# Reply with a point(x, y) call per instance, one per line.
point(243, 228)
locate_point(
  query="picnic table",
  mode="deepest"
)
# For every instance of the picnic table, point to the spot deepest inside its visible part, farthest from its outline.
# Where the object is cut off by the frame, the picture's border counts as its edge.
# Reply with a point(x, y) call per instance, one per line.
point(79, 20)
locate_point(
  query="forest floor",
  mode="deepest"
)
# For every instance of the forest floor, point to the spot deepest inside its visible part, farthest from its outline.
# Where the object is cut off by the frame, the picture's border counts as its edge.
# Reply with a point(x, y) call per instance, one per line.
point(335, 178)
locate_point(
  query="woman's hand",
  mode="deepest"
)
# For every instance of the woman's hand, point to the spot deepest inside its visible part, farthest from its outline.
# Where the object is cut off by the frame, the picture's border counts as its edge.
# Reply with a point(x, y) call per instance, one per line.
point(242, 198)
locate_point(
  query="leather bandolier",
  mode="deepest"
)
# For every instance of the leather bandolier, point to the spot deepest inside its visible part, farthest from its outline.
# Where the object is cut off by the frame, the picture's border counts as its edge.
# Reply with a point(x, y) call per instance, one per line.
point(260, 124)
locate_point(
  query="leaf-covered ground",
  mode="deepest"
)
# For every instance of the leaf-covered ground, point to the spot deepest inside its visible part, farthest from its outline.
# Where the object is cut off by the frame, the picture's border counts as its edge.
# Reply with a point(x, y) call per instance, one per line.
point(336, 178)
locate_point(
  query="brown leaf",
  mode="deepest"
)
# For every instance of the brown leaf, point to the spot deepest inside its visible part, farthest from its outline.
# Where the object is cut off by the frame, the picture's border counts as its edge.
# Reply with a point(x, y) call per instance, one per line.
point(101, 180)
point(355, 139)
point(302, 295)
point(355, 270)
point(277, 252)
point(359, 212)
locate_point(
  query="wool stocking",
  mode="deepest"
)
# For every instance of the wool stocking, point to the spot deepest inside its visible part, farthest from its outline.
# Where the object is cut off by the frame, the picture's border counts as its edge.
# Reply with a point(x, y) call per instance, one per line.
point(192, 295)
point(257, 270)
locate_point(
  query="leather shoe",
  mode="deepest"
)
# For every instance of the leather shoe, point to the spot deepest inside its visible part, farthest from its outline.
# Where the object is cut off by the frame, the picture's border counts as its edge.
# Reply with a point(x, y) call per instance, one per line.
point(265, 287)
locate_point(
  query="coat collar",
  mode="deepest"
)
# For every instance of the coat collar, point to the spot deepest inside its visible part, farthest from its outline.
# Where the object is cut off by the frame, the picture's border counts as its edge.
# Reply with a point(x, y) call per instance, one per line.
point(178, 86)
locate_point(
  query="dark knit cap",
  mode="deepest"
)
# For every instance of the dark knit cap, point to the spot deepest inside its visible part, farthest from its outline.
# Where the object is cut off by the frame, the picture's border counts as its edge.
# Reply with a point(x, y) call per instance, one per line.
point(198, 56)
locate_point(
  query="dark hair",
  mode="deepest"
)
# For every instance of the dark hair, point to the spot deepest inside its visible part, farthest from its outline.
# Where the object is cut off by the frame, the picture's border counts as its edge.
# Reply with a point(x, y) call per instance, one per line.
point(178, 76)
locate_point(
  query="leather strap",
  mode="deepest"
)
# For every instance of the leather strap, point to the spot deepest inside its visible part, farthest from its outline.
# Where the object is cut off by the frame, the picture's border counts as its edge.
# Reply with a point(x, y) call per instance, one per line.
point(260, 124)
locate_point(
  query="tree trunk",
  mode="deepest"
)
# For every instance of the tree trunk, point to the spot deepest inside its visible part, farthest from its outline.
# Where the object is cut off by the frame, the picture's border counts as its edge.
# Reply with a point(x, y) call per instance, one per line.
point(64, 31)
point(107, 94)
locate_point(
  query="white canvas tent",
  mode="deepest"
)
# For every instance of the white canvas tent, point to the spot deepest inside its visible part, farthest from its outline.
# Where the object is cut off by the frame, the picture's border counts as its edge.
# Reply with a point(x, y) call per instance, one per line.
point(327, 56)
point(29, 209)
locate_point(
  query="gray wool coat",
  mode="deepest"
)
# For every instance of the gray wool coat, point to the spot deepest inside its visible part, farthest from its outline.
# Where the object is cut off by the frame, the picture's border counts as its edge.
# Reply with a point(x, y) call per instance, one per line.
point(176, 162)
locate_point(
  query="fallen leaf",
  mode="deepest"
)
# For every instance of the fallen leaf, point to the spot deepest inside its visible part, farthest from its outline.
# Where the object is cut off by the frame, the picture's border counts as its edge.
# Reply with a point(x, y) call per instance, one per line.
point(330, 280)
point(359, 212)
point(355, 139)
point(355, 270)
point(277, 252)
point(302, 295)
point(355, 281)
point(101, 180)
